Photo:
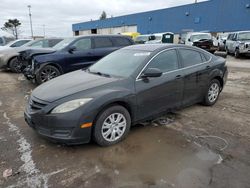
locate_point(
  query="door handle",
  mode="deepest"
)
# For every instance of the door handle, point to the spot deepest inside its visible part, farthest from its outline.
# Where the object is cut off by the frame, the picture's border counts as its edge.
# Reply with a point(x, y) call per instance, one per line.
point(208, 67)
point(178, 77)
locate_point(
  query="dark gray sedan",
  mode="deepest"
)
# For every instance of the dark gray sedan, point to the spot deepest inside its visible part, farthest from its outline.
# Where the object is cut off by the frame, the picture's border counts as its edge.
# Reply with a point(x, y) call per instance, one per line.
point(128, 86)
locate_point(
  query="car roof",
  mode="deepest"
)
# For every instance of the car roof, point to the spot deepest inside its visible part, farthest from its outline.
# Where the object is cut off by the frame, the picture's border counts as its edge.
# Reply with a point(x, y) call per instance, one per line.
point(153, 47)
point(98, 35)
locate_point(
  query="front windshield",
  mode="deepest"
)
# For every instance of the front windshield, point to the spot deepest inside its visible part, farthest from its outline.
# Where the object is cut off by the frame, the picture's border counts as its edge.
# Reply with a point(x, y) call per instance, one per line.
point(121, 63)
point(200, 37)
point(63, 43)
point(244, 36)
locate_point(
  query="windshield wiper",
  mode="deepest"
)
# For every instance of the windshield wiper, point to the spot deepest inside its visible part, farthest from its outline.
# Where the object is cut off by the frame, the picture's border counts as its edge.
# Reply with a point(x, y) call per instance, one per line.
point(99, 73)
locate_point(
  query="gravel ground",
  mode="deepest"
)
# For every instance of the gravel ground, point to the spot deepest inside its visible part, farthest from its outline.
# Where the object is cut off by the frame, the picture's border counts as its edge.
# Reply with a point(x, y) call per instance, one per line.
point(194, 147)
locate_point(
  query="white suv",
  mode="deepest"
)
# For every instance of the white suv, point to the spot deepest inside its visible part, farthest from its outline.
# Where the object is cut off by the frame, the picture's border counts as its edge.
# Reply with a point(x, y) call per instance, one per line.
point(238, 43)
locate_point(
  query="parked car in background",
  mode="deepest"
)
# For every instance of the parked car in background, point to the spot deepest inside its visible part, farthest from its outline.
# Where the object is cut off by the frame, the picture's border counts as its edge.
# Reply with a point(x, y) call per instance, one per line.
point(73, 54)
point(133, 35)
point(201, 40)
point(221, 41)
point(121, 90)
point(8, 57)
point(15, 44)
point(142, 39)
point(5, 40)
point(238, 43)
point(167, 37)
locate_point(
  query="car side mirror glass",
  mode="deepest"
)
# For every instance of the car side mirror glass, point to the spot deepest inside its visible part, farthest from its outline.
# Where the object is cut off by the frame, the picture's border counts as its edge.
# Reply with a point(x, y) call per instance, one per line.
point(151, 73)
point(71, 49)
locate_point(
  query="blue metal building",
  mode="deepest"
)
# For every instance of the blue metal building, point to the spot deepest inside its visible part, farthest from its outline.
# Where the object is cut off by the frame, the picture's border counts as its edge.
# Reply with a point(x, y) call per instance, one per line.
point(213, 16)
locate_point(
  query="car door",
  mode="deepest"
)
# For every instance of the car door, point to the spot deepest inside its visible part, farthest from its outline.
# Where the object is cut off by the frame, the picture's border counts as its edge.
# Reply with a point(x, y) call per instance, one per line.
point(81, 56)
point(156, 95)
point(196, 69)
point(102, 47)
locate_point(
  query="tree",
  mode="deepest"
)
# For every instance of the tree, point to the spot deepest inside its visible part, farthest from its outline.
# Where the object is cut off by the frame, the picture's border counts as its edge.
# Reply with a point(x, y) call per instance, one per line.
point(12, 27)
point(103, 15)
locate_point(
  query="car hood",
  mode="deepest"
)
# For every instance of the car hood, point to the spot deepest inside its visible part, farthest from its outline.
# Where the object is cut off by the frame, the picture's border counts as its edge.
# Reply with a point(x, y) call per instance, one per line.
point(28, 53)
point(69, 84)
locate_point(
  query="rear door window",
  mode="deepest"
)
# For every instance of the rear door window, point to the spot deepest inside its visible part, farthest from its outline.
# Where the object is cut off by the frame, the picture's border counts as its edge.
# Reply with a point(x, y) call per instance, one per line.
point(165, 61)
point(102, 42)
point(190, 57)
point(119, 41)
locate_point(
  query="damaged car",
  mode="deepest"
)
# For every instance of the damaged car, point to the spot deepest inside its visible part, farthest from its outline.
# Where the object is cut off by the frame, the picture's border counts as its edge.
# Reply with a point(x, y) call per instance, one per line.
point(201, 40)
point(8, 57)
point(128, 86)
point(69, 55)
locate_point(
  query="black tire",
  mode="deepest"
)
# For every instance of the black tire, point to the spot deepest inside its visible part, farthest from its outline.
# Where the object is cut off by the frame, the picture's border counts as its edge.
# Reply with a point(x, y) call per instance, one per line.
point(237, 53)
point(103, 118)
point(51, 72)
point(209, 100)
point(15, 65)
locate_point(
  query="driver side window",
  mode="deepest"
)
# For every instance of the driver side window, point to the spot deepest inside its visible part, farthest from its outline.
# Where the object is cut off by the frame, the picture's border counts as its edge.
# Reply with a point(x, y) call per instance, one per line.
point(165, 61)
point(83, 44)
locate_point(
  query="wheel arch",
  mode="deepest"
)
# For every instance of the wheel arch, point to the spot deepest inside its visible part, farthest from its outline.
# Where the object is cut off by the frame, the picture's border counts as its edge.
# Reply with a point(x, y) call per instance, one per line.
point(55, 65)
point(122, 103)
point(10, 59)
point(220, 80)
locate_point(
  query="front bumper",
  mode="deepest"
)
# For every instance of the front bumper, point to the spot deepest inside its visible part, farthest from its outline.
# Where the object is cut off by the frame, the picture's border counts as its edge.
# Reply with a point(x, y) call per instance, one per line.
point(60, 128)
point(245, 50)
point(29, 73)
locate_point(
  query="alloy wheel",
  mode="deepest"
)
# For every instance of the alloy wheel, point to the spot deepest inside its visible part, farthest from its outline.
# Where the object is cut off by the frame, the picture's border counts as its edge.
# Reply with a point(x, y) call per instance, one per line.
point(114, 127)
point(213, 92)
point(48, 73)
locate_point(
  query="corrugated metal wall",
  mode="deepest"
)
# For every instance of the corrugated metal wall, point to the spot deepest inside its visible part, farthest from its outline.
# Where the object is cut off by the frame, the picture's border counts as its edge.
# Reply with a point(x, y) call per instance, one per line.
point(213, 16)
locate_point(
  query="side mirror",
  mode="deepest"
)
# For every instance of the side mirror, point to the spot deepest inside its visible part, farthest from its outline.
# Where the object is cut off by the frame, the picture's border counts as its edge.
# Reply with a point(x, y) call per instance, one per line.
point(71, 49)
point(151, 73)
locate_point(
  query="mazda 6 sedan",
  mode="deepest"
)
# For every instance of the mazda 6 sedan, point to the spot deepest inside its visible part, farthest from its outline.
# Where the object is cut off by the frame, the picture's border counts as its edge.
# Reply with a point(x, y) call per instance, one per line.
point(128, 86)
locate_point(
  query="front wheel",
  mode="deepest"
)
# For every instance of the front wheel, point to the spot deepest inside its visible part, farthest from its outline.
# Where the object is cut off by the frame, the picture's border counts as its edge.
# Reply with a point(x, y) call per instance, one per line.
point(15, 65)
point(213, 93)
point(47, 73)
point(112, 126)
point(237, 53)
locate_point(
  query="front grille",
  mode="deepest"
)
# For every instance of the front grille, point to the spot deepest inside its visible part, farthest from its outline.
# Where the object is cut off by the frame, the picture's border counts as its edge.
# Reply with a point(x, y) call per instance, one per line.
point(36, 105)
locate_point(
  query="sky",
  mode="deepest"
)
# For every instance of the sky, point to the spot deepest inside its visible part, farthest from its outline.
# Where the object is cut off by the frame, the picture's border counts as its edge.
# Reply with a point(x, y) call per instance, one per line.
point(59, 15)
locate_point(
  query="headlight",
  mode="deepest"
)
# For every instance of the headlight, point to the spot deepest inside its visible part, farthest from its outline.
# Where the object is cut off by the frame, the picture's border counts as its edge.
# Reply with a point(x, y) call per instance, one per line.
point(70, 105)
point(241, 46)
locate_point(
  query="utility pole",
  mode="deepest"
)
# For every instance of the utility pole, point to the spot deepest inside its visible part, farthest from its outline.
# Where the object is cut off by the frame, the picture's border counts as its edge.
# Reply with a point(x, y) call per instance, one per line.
point(43, 30)
point(29, 7)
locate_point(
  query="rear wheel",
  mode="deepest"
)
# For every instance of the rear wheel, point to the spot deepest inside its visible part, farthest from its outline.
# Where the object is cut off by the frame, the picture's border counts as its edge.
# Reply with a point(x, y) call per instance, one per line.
point(47, 73)
point(15, 65)
point(112, 126)
point(213, 93)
